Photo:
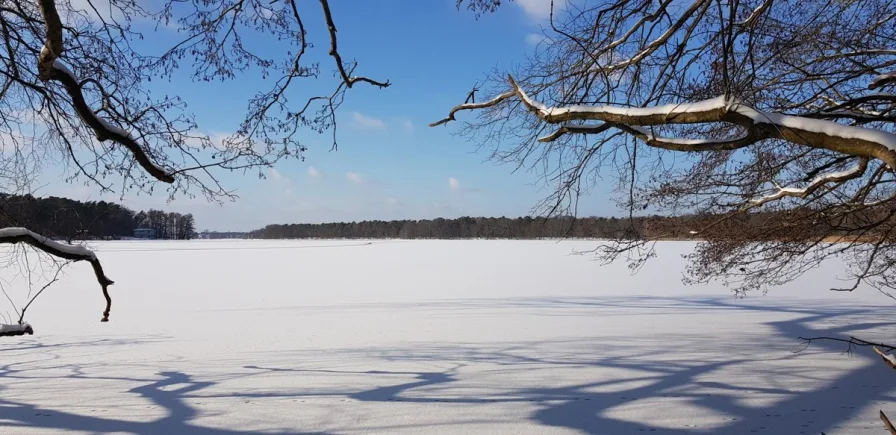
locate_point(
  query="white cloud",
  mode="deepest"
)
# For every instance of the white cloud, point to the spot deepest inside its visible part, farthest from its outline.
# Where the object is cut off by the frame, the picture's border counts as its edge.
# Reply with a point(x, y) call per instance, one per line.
point(535, 38)
point(392, 201)
point(408, 125)
point(354, 177)
point(364, 121)
point(456, 186)
point(454, 183)
point(539, 10)
point(281, 180)
point(265, 12)
point(102, 7)
point(313, 172)
point(217, 139)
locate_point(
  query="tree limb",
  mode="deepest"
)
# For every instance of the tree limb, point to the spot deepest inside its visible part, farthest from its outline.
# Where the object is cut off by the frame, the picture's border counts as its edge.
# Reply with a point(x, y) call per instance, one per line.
point(15, 330)
point(575, 129)
point(349, 81)
point(887, 358)
point(814, 133)
point(678, 144)
point(851, 341)
point(882, 80)
point(821, 134)
point(473, 106)
point(67, 252)
point(51, 68)
point(833, 177)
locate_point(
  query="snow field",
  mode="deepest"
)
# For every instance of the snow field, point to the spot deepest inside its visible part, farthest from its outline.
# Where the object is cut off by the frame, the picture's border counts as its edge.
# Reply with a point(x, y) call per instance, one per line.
point(346, 337)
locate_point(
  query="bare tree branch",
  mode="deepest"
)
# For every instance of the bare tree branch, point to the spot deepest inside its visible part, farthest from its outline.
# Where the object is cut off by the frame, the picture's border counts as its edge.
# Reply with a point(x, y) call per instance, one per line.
point(473, 106)
point(857, 141)
point(75, 90)
point(349, 81)
point(851, 342)
point(756, 125)
point(575, 129)
point(67, 252)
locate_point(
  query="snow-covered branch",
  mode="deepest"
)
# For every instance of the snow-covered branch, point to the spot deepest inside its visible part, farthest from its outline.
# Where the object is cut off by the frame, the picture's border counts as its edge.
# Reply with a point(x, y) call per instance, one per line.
point(682, 144)
point(51, 67)
point(16, 329)
point(756, 13)
point(64, 251)
point(887, 357)
point(882, 80)
point(690, 113)
point(796, 192)
point(473, 106)
point(575, 129)
point(814, 133)
point(631, 79)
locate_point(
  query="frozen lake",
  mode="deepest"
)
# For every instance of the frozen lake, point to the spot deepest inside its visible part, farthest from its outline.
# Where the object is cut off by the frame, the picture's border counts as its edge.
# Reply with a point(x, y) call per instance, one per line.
point(436, 337)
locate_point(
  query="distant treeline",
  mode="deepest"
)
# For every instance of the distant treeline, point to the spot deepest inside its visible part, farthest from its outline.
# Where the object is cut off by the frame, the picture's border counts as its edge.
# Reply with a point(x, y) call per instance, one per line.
point(461, 228)
point(748, 226)
point(66, 218)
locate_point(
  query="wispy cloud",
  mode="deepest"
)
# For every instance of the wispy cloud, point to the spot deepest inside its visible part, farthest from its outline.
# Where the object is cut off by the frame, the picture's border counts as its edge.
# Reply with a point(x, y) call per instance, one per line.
point(408, 125)
point(275, 174)
point(454, 184)
point(101, 7)
point(281, 180)
point(536, 38)
point(354, 177)
point(363, 121)
point(540, 10)
point(313, 172)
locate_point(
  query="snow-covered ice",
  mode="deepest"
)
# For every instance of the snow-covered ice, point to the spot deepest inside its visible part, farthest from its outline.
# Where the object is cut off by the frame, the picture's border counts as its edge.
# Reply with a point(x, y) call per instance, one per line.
point(435, 337)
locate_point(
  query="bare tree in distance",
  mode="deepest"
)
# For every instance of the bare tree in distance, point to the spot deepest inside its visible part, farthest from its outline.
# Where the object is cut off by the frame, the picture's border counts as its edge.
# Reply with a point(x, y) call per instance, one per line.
point(776, 112)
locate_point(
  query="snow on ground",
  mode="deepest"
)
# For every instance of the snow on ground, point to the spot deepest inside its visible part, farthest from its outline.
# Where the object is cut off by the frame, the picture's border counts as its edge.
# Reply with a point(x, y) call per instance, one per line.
point(436, 337)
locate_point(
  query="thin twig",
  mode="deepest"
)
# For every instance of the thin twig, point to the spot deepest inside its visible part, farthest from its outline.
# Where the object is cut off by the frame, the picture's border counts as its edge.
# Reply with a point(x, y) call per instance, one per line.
point(9, 298)
point(55, 278)
point(852, 341)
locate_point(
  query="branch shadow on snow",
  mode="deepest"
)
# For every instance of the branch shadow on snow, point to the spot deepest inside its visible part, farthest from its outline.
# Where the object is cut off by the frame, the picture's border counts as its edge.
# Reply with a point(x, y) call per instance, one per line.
point(169, 391)
point(31, 346)
point(687, 370)
point(753, 383)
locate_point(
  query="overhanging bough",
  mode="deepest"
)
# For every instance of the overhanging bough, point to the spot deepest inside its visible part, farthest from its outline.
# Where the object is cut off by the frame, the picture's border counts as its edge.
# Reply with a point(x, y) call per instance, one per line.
point(65, 251)
point(50, 67)
point(759, 125)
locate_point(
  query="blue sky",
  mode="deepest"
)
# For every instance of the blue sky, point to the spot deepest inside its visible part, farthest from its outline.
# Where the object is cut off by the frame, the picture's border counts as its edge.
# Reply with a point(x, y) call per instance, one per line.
point(390, 164)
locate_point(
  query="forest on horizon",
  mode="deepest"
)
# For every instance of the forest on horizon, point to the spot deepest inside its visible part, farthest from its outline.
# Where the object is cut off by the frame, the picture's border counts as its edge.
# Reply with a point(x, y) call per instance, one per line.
point(64, 218)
